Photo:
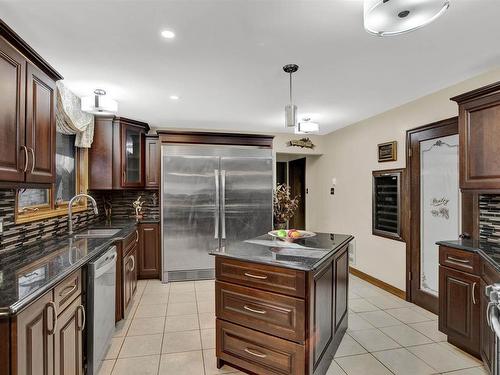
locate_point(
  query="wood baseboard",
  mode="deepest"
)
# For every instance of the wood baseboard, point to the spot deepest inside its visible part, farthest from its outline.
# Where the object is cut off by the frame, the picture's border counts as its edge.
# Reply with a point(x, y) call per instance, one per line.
point(379, 283)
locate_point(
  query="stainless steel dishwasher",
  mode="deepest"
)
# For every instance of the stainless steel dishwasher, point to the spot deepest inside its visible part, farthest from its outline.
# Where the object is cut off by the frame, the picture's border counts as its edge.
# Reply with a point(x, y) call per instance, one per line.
point(100, 308)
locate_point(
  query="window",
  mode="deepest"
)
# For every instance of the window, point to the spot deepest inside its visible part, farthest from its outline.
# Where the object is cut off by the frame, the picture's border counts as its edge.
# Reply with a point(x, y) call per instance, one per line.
point(36, 204)
point(386, 221)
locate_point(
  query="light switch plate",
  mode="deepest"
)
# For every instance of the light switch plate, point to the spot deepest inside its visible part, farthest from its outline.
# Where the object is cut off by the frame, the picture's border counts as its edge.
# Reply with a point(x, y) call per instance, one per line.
point(1, 226)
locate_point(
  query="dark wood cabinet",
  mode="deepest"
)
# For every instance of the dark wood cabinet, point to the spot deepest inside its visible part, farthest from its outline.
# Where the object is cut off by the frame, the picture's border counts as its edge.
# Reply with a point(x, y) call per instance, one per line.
point(479, 131)
point(487, 335)
point(277, 320)
point(13, 154)
point(117, 155)
point(27, 112)
point(129, 277)
point(459, 310)
point(149, 251)
point(36, 327)
point(153, 162)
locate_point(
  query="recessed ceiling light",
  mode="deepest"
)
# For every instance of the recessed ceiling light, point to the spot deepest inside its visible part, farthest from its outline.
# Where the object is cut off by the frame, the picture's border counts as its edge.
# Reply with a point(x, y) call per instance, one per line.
point(174, 97)
point(168, 34)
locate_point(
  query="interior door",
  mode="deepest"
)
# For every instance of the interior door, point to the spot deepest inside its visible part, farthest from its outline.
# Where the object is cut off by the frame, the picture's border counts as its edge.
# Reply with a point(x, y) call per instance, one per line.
point(190, 213)
point(297, 180)
point(246, 198)
point(435, 206)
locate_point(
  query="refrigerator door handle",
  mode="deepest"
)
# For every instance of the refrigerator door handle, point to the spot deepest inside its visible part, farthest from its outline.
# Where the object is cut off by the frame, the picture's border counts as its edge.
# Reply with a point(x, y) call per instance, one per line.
point(217, 203)
point(223, 205)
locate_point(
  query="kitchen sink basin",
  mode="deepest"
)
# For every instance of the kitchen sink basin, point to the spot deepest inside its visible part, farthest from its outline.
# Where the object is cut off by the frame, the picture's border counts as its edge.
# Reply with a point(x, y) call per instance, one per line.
point(97, 233)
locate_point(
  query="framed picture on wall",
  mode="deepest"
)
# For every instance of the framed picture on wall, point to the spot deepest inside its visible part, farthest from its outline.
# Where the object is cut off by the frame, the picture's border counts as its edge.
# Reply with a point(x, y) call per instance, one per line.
point(387, 151)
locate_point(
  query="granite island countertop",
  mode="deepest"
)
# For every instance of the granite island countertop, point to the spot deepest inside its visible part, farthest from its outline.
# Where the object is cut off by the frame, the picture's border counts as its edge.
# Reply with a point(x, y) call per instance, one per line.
point(304, 254)
point(488, 251)
point(28, 272)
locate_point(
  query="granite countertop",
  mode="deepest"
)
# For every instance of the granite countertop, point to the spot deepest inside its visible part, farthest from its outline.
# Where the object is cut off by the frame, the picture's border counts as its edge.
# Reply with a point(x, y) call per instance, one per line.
point(28, 272)
point(305, 254)
point(489, 251)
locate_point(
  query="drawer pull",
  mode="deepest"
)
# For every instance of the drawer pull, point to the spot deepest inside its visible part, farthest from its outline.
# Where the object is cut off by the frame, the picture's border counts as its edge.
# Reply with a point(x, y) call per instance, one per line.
point(82, 310)
point(68, 290)
point(474, 293)
point(255, 276)
point(136, 236)
point(254, 310)
point(465, 261)
point(255, 354)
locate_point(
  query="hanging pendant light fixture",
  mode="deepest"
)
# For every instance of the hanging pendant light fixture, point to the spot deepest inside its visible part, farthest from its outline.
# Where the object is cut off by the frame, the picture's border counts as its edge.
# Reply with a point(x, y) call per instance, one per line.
point(99, 103)
point(290, 109)
point(394, 17)
point(306, 126)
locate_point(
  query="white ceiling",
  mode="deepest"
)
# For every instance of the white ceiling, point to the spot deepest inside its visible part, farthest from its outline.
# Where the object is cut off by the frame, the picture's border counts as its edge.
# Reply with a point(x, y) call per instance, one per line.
point(226, 60)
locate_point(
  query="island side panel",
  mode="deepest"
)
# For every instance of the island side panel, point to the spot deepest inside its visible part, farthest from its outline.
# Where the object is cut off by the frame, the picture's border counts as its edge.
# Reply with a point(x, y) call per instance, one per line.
point(327, 300)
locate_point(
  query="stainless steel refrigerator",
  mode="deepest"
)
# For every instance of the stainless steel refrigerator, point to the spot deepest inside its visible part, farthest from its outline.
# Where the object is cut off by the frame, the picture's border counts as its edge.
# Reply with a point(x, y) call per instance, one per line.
point(211, 196)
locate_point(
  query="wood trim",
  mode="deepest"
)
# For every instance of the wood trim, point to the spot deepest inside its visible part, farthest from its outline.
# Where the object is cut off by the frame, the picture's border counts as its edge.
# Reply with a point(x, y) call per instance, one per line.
point(17, 42)
point(378, 283)
point(486, 90)
point(168, 136)
point(128, 121)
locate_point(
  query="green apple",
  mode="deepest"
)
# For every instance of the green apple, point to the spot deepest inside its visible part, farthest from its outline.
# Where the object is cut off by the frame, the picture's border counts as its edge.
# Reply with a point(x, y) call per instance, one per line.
point(281, 233)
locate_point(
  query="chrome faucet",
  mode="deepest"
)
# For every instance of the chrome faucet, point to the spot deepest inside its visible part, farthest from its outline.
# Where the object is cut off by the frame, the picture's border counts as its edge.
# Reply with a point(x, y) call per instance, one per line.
point(70, 210)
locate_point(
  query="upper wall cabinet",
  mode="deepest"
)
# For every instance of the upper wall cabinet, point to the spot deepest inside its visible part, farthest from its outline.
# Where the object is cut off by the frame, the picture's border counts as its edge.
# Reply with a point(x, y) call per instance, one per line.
point(153, 159)
point(117, 156)
point(479, 129)
point(27, 112)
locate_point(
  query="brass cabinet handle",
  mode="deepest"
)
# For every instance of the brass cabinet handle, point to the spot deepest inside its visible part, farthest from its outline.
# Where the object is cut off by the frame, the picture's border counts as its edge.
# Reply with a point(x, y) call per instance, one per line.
point(124, 177)
point(254, 353)
point(84, 319)
point(473, 293)
point(136, 236)
point(70, 289)
point(33, 161)
point(52, 305)
point(254, 310)
point(133, 263)
point(25, 158)
point(255, 276)
point(458, 260)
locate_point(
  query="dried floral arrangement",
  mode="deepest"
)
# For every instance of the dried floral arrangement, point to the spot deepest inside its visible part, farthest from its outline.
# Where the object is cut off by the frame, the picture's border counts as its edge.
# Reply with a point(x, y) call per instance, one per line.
point(284, 206)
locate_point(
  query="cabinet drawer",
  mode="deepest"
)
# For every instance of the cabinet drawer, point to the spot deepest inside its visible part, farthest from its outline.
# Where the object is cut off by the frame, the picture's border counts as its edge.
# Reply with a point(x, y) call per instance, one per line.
point(459, 259)
point(274, 279)
point(267, 312)
point(258, 352)
point(130, 241)
point(67, 290)
point(488, 273)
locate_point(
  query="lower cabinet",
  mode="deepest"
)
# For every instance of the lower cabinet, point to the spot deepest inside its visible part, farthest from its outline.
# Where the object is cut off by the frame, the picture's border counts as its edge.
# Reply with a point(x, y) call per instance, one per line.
point(129, 277)
point(459, 311)
point(149, 251)
point(487, 335)
point(47, 341)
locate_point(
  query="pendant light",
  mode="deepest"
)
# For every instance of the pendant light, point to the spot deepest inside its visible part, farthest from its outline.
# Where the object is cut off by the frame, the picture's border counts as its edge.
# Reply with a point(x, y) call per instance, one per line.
point(290, 109)
point(306, 126)
point(99, 103)
point(394, 17)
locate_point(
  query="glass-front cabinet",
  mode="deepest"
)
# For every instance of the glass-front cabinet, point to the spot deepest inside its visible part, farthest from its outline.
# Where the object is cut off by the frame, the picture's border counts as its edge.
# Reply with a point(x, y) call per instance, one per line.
point(132, 138)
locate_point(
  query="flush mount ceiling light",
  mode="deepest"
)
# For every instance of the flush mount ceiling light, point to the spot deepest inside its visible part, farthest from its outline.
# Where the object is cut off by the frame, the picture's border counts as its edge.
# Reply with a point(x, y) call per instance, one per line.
point(306, 126)
point(174, 97)
point(394, 17)
point(168, 34)
point(99, 103)
point(290, 109)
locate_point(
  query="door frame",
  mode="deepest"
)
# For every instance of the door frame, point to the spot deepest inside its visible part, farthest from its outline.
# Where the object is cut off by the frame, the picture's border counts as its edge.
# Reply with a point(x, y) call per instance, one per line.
point(414, 136)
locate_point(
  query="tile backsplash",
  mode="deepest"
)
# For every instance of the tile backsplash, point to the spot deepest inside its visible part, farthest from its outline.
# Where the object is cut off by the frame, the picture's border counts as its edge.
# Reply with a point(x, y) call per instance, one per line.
point(489, 218)
point(15, 235)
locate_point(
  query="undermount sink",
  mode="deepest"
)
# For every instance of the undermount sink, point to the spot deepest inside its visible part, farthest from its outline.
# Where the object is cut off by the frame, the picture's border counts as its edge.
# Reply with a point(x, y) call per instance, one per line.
point(97, 233)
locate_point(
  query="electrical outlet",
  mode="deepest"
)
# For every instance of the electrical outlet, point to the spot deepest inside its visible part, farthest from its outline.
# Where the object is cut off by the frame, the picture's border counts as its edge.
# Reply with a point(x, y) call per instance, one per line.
point(332, 191)
point(1, 226)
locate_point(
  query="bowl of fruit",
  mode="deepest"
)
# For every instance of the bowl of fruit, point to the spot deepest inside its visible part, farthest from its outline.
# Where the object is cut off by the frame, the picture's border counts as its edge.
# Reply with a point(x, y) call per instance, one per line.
point(291, 234)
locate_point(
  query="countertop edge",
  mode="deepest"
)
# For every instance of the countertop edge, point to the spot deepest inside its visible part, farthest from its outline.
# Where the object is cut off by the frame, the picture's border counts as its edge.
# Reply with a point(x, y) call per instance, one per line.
point(471, 249)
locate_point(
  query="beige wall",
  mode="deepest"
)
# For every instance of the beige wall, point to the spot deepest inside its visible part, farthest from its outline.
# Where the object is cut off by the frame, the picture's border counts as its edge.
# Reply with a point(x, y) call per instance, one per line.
point(350, 155)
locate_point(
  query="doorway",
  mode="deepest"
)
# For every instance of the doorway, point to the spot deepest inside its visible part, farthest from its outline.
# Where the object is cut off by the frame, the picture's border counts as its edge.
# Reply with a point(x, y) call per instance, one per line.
point(291, 170)
point(435, 205)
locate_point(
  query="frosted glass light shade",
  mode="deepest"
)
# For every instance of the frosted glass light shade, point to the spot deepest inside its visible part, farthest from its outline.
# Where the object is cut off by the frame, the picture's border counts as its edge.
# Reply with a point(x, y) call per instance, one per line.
point(99, 105)
point(394, 17)
point(306, 127)
point(290, 115)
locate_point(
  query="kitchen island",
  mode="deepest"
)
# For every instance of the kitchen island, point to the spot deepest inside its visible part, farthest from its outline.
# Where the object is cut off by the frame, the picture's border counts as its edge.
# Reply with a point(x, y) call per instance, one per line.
point(281, 307)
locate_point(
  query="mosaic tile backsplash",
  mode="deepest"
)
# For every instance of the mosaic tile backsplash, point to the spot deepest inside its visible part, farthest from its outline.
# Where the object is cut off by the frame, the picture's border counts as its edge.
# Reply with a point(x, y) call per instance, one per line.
point(489, 218)
point(15, 235)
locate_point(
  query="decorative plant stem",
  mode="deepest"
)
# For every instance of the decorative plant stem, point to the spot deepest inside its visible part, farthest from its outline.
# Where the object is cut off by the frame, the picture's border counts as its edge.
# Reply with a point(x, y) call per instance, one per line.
point(284, 206)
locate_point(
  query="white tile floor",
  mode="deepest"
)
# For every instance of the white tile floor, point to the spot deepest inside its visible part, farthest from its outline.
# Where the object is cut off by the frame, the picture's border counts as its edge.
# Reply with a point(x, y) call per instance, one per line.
point(171, 330)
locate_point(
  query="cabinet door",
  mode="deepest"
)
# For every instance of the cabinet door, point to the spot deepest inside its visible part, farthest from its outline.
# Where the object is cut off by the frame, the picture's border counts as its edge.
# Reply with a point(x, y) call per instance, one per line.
point(36, 326)
point(480, 143)
point(12, 98)
point(134, 271)
point(129, 277)
point(459, 308)
point(153, 154)
point(68, 340)
point(487, 335)
point(149, 251)
point(40, 126)
point(132, 161)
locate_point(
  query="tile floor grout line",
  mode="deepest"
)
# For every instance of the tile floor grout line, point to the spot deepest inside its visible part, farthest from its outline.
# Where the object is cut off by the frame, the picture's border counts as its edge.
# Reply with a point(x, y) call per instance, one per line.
point(199, 331)
point(163, 333)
